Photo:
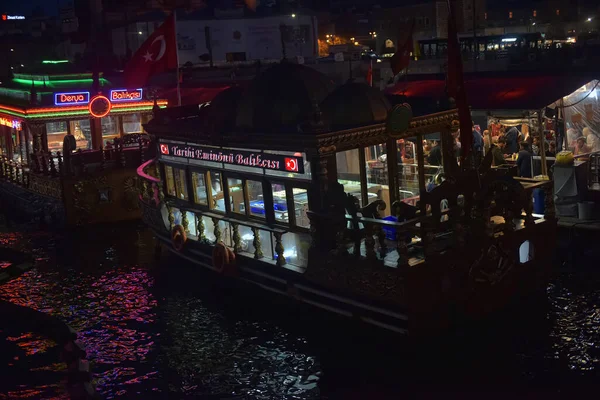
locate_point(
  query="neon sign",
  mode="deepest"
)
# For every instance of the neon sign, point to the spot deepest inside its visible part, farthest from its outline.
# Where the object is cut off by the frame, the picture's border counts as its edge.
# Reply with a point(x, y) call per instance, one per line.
point(6, 17)
point(70, 99)
point(258, 159)
point(11, 123)
point(126, 95)
point(100, 106)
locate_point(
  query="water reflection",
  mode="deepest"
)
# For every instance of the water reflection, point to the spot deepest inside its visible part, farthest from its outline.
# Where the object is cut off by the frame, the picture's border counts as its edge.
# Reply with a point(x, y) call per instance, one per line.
point(158, 329)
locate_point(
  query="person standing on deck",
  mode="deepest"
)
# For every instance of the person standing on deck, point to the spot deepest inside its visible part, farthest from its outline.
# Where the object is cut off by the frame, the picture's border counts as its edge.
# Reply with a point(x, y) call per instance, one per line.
point(512, 140)
point(524, 161)
point(435, 156)
point(497, 150)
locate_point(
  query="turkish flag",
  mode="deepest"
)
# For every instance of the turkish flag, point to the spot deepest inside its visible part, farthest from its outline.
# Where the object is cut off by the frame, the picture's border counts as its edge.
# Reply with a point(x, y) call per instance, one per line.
point(455, 86)
point(156, 55)
point(401, 57)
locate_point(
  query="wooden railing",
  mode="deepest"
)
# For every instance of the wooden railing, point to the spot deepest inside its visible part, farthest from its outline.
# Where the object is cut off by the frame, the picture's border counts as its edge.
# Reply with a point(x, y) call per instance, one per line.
point(15, 172)
point(389, 241)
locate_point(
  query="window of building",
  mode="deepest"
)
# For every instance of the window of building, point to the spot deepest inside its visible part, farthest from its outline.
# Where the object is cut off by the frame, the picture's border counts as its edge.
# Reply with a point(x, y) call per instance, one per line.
point(510, 14)
point(110, 129)
point(236, 195)
point(199, 186)
point(348, 173)
point(535, 13)
point(557, 12)
point(256, 200)
point(180, 183)
point(132, 123)
point(426, 21)
point(56, 132)
point(484, 15)
point(217, 198)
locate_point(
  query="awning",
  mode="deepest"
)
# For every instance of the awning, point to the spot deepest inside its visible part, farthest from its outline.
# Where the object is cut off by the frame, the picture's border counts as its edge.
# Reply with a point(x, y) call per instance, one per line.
point(497, 93)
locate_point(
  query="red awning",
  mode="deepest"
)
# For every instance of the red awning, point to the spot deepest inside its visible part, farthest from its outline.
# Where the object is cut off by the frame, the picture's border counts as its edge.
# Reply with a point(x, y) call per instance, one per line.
point(195, 95)
point(498, 93)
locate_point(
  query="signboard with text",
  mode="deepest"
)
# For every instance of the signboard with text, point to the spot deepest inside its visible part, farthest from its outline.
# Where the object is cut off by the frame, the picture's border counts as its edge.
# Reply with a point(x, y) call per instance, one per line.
point(246, 158)
point(71, 99)
point(11, 123)
point(125, 95)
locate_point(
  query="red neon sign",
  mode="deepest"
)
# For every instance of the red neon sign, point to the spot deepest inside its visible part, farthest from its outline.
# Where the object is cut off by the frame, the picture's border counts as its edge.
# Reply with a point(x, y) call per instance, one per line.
point(11, 123)
point(126, 95)
point(99, 106)
point(291, 164)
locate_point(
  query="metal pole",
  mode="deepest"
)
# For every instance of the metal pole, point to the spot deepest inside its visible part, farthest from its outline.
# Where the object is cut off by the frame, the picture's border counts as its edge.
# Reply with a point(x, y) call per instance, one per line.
point(177, 54)
point(542, 144)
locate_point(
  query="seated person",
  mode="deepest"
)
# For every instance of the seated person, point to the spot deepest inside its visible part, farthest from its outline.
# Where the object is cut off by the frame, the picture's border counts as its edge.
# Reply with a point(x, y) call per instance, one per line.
point(497, 150)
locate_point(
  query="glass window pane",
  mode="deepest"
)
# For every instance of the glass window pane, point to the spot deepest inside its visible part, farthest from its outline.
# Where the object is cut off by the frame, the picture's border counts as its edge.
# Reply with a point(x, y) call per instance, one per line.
point(170, 181)
point(199, 188)
point(408, 176)
point(83, 133)
point(191, 217)
point(377, 176)
point(236, 195)
point(280, 203)
point(295, 248)
point(110, 129)
point(301, 207)
point(217, 200)
point(348, 173)
point(132, 123)
point(180, 184)
point(56, 132)
point(255, 197)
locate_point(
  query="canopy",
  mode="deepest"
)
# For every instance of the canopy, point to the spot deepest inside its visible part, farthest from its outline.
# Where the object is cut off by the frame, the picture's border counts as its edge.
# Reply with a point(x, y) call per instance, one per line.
point(501, 92)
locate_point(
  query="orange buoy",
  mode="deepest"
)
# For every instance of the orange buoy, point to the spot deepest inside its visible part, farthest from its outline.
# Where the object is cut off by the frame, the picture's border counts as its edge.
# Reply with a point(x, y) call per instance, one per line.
point(224, 259)
point(178, 237)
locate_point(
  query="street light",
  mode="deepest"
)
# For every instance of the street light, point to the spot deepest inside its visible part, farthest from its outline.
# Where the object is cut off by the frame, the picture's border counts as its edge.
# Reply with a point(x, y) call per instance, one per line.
point(139, 32)
point(589, 19)
point(293, 15)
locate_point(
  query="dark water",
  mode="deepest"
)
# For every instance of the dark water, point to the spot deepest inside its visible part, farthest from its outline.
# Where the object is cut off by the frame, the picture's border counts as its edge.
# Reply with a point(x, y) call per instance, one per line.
point(162, 329)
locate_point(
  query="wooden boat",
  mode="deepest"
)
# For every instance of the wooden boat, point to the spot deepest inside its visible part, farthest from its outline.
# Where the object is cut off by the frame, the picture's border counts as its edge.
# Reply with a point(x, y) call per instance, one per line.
point(284, 185)
point(93, 182)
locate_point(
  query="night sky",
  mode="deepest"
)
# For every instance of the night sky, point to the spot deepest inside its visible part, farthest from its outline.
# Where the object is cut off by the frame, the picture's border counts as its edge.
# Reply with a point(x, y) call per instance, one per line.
point(24, 7)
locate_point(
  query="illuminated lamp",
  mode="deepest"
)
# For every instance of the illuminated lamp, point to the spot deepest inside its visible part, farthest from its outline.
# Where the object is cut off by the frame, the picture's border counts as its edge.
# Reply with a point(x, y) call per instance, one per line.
point(99, 106)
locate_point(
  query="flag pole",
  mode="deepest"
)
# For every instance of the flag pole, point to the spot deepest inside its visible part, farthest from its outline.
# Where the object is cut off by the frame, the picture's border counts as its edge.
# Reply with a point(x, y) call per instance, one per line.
point(177, 54)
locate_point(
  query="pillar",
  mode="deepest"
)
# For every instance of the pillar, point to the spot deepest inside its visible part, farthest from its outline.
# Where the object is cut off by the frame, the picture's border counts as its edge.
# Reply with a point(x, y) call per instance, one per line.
point(96, 128)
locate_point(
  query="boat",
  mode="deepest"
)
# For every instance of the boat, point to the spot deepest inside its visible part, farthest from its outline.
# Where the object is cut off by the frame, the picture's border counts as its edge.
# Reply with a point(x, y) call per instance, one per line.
point(323, 195)
point(92, 182)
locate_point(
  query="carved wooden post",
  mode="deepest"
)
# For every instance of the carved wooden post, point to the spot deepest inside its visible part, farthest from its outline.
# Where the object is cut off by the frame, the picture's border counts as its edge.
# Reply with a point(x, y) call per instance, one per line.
point(199, 226)
point(184, 222)
point(402, 250)
point(216, 230)
point(279, 249)
point(144, 190)
point(122, 158)
point(258, 254)
point(102, 159)
point(45, 163)
point(60, 163)
point(52, 165)
point(171, 216)
point(370, 241)
point(237, 240)
point(141, 148)
point(529, 220)
point(549, 212)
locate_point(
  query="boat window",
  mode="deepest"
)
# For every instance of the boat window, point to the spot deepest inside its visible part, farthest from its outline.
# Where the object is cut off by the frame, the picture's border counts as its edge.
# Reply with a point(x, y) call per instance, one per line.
point(110, 129)
point(180, 184)
point(199, 186)
point(132, 123)
point(408, 172)
point(295, 248)
point(217, 201)
point(377, 175)
point(170, 181)
point(255, 198)
point(236, 195)
point(280, 202)
point(301, 207)
point(83, 134)
point(348, 173)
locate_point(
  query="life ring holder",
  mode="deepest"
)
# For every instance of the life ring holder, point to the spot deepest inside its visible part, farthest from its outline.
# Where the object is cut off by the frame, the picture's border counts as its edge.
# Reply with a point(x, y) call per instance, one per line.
point(224, 259)
point(178, 237)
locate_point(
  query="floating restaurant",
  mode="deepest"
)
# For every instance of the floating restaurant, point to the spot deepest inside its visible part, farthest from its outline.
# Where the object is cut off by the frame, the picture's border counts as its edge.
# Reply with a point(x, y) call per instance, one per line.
point(69, 146)
point(324, 195)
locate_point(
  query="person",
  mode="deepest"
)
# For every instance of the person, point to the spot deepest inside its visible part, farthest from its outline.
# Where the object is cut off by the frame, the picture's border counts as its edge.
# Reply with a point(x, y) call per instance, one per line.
point(497, 150)
point(512, 137)
point(435, 155)
point(69, 144)
point(581, 146)
point(551, 152)
point(524, 160)
point(535, 146)
point(572, 136)
point(477, 140)
point(591, 139)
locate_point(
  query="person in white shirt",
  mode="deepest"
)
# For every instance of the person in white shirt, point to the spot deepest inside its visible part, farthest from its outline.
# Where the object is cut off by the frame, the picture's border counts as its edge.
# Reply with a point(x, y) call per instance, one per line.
point(591, 139)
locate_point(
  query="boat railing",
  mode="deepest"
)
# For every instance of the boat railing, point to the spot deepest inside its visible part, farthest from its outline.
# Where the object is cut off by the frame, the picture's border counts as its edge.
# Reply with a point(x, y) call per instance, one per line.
point(404, 243)
point(14, 171)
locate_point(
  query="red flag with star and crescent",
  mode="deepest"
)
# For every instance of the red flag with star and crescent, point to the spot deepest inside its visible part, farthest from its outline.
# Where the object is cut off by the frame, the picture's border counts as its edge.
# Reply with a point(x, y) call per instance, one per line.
point(156, 55)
